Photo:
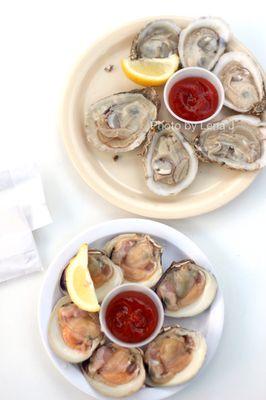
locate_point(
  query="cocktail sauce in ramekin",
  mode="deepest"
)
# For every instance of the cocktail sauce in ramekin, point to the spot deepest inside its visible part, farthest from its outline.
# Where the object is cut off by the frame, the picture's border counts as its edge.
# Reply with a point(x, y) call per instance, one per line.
point(131, 316)
point(193, 98)
point(194, 95)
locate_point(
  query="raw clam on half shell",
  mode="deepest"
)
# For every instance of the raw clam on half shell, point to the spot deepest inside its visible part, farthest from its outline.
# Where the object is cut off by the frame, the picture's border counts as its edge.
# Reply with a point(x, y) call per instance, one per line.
point(139, 257)
point(73, 333)
point(158, 39)
point(243, 83)
point(104, 273)
point(186, 289)
point(120, 122)
point(115, 371)
point(238, 142)
point(170, 162)
point(174, 357)
point(202, 42)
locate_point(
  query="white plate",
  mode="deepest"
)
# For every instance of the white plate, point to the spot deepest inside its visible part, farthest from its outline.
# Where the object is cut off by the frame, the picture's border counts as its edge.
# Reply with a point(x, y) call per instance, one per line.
point(122, 183)
point(176, 247)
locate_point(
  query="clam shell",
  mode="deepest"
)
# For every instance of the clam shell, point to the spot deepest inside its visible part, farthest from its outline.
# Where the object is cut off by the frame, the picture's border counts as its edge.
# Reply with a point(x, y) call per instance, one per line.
point(203, 302)
point(199, 354)
point(57, 343)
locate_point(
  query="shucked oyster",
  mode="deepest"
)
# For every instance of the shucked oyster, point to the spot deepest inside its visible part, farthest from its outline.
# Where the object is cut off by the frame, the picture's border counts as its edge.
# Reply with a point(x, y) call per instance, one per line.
point(115, 371)
point(238, 142)
point(158, 39)
point(242, 81)
point(73, 333)
point(120, 122)
point(104, 274)
point(186, 289)
point(139, 257)
point(169, 161)
point(174, 357)
point(202, 42)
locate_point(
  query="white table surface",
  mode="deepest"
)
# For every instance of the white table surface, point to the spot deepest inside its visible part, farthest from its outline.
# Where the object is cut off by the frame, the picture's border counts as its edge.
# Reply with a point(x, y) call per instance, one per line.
point(40, 42)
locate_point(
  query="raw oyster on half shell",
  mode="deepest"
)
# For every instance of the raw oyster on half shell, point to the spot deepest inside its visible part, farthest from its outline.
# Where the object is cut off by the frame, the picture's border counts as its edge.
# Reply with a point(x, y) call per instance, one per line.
point(170, 162)
point(115, 371)
point(202, 42)
point(174, 357)
point(186, 289)
point(139, 257)
point(158, 39)
point(243, 83)
point(238, 142)
point(120, 122)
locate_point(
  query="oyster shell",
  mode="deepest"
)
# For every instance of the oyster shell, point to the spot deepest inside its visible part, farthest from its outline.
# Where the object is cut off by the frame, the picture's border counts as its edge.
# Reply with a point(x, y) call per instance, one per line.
point(174, 357)
point(73, 333)
point(242, 81)
point(115, 371)
point(202, 42)
point(238, 142)
point(120, 122)
point(186, 289)
point(104, 274)
point(139, 257)
point(158, 39)
point(170, 162)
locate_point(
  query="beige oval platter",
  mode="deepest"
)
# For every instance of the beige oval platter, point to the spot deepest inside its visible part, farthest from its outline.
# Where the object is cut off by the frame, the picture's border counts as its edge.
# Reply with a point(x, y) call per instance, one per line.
point(122, 182)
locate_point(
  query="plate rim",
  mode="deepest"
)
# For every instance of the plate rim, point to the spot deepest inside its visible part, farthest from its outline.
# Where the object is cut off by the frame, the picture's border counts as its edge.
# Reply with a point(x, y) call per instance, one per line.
point(127, 225)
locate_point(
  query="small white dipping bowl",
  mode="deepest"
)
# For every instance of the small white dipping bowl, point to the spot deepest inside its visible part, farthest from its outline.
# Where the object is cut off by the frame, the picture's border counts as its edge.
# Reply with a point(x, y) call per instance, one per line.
point(136, 288)
point(192, 72)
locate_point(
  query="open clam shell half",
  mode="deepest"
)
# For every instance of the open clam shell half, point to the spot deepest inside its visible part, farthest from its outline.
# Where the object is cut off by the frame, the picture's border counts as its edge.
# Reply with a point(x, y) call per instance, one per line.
point(186, 289)
point(174, 357)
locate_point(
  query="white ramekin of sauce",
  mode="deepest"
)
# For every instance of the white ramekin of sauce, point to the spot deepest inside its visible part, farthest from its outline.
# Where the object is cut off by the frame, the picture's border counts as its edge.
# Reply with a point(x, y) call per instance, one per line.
point(194, 95)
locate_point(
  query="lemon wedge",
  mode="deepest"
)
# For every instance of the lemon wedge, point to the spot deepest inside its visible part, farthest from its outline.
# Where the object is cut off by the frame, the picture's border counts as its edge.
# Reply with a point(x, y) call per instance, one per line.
point(79, 283)
point(150, 71)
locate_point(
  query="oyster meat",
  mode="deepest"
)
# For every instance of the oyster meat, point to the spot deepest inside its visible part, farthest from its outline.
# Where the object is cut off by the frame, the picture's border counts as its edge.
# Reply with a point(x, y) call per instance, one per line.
point(202, 42)
point(170, 162)
point(238, 142)
point(115, 371)
point(174, 357)
point(104, 274)
point(73, 333)
point(139, 257)
point(186, 289)
point(158, 39)
point(120, 122)
point(242, 81)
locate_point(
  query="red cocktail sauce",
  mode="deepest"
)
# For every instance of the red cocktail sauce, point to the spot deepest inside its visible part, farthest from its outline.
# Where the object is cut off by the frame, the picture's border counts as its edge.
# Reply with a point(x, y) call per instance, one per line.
point(193, 99)
point(131, 316)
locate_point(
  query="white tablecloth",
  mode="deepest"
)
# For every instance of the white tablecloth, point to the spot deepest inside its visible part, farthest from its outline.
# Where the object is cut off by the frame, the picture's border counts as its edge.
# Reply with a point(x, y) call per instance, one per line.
point(40, 41)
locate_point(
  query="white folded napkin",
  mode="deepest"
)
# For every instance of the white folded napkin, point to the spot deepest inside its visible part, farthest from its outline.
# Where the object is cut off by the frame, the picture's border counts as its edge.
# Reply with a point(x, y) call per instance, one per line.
point(18, 252)
point(22, 209)
point(22, 186)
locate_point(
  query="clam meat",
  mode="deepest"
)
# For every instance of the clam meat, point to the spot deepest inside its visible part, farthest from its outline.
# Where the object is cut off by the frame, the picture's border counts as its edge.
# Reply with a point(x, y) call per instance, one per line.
point(104, 273)
point(115, 371)
point(174, 357)
point(120, 122)
point(139, 257)
point(73, 333)
point(186, 289)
